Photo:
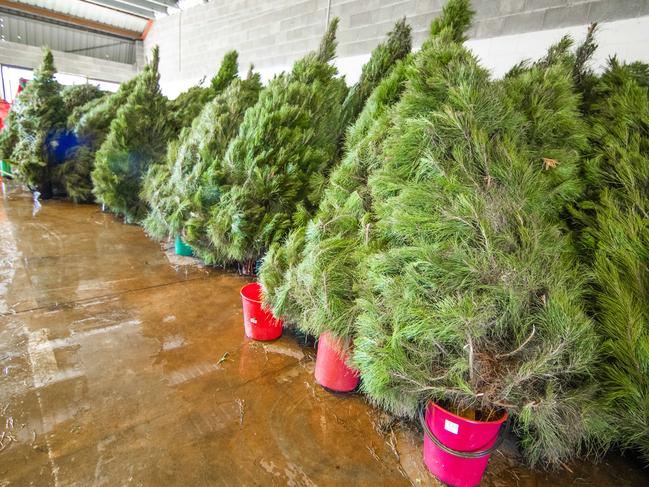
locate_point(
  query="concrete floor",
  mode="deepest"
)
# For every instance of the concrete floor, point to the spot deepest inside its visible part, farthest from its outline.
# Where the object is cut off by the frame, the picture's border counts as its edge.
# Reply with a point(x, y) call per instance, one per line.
point(123, 365)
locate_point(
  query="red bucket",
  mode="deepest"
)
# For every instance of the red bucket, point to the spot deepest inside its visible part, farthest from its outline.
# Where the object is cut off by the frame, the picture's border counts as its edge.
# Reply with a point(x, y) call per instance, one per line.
point(457, 450)
point(331, 369)
point(259, 323)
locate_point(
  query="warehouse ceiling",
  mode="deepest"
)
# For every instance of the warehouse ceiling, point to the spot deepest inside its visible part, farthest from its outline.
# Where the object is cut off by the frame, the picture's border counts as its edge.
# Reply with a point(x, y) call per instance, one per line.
point(124, 18)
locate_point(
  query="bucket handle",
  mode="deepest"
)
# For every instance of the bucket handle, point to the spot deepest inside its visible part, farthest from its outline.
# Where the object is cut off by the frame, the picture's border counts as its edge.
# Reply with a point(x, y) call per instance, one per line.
point(457, 453)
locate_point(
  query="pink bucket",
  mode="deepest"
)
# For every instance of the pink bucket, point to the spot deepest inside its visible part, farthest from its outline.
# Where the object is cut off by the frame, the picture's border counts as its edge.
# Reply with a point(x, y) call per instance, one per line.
point(331, 369)
point(457, 450)
point(258, 322)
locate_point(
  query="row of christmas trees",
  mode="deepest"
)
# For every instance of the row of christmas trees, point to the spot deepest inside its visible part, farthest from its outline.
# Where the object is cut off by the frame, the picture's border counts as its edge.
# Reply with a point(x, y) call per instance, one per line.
point(479, 242)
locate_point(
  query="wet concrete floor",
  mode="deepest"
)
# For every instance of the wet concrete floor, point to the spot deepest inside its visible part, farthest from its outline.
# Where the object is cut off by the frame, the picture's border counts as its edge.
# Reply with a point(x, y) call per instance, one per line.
point(121, 364)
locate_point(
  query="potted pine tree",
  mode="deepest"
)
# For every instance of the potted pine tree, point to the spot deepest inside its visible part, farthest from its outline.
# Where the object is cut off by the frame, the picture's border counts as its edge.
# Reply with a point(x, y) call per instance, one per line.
point(38, 116)
point(137, 138)
point(186, 106)
point(279, 270)
point(167, 185)
point(614, 243)
point(275, 166)
point(203, 161)
point(471, 300)
point(90, 124)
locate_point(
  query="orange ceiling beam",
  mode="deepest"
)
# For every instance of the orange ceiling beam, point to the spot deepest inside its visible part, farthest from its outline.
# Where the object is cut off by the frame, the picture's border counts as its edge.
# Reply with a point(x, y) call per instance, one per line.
point(70, 19)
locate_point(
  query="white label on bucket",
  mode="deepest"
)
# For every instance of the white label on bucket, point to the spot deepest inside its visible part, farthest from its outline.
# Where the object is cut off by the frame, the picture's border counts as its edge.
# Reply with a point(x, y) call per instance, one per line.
point(451, 427)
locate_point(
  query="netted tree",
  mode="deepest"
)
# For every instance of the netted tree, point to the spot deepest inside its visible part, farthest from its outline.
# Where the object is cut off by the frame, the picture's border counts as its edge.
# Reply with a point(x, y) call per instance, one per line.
point(39, 117)
point(471, 295)
point(277, 163)
point(138, 137)
point(614, 241)
point(181, 194)
point(77, 99)
point(90, 124)
point(278, 272)
point(186, 106)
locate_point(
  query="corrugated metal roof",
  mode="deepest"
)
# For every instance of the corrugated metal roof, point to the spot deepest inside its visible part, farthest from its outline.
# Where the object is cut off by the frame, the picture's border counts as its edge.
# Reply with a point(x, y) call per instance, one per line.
point(91, 11)
point(34, 32)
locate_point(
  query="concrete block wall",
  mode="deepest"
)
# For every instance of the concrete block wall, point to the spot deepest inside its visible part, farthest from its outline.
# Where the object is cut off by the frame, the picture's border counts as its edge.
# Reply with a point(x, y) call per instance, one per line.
point(24, 56)
point(272, 34)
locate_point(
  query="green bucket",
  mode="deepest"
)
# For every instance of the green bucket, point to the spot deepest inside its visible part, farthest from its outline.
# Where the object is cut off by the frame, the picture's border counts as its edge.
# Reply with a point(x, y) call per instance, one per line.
point(5, 168)
point(182, 248)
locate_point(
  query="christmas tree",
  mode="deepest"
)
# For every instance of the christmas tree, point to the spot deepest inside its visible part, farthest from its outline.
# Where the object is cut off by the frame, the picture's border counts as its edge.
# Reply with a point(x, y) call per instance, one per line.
point(137, 138)
point(8, 137)
point(166, 185)
point(76, 96)
point(90, 124)
point(615, 243)
point(278, 161)
point(397, 46)
point(39, 117)
point(191, 186)
point(471, 295)
point(186, 107)
point(278, 272)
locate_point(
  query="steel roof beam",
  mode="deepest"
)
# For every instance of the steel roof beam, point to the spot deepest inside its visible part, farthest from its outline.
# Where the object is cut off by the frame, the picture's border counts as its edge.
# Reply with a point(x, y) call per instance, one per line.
point(165, 3)
point(43, 13)
point(146, 4)
point(125, 7)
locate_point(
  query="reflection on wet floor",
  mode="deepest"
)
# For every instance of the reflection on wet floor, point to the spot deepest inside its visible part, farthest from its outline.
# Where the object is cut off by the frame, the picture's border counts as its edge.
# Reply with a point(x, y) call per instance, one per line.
point(122, 365)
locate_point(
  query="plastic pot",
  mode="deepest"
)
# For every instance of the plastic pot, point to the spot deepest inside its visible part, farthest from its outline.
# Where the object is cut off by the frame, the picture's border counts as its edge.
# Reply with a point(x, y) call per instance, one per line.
point(457, 450)
point(182, 248)
point(5, 169)
point(331, 369)
point(259, 323)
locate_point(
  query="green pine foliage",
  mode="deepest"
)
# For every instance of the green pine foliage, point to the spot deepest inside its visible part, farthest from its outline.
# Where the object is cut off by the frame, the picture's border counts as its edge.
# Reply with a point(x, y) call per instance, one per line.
point(186, 107)
point(278, 272)
point(39, 116)
point(78, 111)
point(8, 137)
point(314, 283)
point(76, 99)
point(276, 165)
point(397, 46)
point(169, 188)
point(615, 242)
point(76, 96)
point(184, 193)
point(137, 138)
point(90, 124)
point(471, 295)
point(310, 280)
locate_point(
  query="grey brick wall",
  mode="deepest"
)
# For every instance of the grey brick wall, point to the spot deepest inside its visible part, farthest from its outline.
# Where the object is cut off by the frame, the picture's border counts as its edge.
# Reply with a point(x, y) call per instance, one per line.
point(272, 33)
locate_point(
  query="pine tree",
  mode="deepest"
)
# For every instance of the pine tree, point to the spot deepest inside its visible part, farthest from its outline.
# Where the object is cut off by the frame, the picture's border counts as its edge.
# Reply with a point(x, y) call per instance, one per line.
point(39, 117)
point(193, 171)
point(186, 107)
point(615, 243)
point(278, 161)
point(8, 137)
point(397, 46)
point(166, 185)
point(471, 295)
point(90, 124)
point(76, 96)
point(278, 272)
point(137, 138)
